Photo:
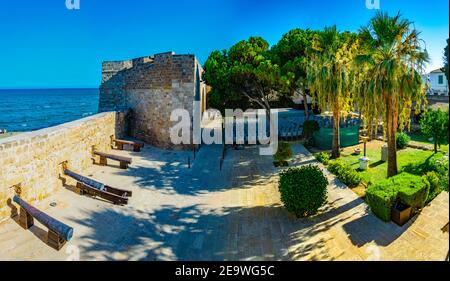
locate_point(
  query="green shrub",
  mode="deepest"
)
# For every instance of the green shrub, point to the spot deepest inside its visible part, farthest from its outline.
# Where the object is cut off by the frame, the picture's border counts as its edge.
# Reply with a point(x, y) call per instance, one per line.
point(436, 163)
point(442, 170)
point(283, 153)
point(402, 140)
point(303, 190)
point(435, 185)
point(409, 189)
point(412, 189)
point(323, 157)
point(345, 173)
point(309, 127)
point(381, 197)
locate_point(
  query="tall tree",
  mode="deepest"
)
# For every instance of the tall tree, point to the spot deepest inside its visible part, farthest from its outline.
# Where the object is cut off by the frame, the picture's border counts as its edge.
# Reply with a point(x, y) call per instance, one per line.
point(330, 75)
point(290, 53)
point(434, 124)
point(217, 75)
point(445, 58)
point(245, 70)
point(394, 59)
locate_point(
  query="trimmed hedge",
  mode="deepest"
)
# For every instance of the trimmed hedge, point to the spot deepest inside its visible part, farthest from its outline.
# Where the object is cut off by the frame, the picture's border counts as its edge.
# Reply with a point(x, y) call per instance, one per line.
point(381, 197)
point(303, 190)
point(435, 185)
point(412, 190)
point(407, 188)
point(345, 173)
point(323, 157)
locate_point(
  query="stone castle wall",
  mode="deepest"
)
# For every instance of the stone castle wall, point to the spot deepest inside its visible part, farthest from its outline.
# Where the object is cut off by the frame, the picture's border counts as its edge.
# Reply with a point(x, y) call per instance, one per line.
point(151, 88)
point(32, 160)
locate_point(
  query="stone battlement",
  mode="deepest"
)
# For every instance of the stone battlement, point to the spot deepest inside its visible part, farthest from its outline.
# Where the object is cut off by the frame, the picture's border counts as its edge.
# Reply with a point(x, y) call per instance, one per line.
point(32, 160)
point(151, 88)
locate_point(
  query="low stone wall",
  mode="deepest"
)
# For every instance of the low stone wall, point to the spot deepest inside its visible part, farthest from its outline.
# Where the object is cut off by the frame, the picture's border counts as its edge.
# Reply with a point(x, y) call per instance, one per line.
point(30, 162)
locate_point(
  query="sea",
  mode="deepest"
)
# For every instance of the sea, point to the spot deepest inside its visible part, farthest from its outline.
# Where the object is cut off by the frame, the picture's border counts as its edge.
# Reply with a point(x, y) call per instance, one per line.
point(29, 110)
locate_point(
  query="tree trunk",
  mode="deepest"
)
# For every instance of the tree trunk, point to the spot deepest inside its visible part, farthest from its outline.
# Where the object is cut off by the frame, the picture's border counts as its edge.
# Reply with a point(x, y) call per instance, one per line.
point(435, 146)
point(391, 129)
point(336, 134)
point(305, 105)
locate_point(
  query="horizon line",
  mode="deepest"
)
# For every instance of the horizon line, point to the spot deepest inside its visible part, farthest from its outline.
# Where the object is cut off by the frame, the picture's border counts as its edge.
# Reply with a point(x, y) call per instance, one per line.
point(49, 88)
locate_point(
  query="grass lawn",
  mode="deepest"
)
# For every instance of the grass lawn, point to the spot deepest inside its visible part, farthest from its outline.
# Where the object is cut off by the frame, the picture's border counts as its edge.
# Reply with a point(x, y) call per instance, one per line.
point(377, 169)
point(421, 139)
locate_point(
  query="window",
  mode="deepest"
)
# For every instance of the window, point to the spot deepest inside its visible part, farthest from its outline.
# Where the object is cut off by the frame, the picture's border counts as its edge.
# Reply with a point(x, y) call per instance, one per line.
point(441, 79)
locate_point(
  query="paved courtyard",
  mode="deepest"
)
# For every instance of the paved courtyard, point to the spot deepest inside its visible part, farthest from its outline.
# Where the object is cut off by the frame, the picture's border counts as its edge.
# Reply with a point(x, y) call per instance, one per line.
point(202, 213)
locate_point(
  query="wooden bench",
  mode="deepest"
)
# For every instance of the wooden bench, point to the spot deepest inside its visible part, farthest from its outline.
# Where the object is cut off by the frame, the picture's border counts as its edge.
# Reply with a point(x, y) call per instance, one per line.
point(89, 186)
point(120, 143)
point(124, 161)
point(58, 233)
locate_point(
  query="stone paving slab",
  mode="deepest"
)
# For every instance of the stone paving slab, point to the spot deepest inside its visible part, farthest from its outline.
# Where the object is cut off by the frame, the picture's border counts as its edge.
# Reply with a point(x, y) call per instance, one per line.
point(203, 213)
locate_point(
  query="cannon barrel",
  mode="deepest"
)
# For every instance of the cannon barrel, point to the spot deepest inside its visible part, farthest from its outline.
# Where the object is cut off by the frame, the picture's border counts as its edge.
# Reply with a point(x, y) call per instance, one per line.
point(85, 180)
point(55, 225)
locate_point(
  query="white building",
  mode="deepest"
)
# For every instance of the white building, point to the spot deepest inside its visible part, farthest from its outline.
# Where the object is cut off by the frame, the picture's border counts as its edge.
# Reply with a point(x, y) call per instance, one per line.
point(438, 83)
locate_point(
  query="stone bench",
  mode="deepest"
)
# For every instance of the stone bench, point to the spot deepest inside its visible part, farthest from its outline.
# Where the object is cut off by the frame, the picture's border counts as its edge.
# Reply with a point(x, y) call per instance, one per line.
point(124, 161)
point(120, 143)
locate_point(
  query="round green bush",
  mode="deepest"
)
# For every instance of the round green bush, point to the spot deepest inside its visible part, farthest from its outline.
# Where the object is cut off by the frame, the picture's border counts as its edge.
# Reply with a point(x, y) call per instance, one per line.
point(402, 140)
point(303, 190)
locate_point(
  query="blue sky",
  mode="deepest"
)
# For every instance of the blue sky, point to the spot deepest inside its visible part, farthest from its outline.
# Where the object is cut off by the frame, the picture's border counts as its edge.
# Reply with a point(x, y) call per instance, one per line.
point(45, 45)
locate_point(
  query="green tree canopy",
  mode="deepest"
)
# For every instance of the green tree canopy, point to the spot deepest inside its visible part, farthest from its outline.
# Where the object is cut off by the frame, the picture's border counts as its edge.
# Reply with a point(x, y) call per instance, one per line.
point(445, 58)
point(330, 75)
point(393, 60)
point(291, 53)
point(434, 124)
point(244, 71)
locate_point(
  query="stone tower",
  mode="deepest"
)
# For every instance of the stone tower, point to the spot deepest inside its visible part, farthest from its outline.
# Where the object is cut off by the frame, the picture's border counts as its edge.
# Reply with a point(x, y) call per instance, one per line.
point(150, 88)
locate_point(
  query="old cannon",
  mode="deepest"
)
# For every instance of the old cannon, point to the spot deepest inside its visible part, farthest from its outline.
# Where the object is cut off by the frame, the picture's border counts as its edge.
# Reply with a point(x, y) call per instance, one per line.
point(58, 232)
point(95, 188)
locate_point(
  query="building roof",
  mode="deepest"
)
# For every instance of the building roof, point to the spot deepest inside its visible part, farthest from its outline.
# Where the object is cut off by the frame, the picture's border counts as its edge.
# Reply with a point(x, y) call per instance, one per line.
point(437, 71)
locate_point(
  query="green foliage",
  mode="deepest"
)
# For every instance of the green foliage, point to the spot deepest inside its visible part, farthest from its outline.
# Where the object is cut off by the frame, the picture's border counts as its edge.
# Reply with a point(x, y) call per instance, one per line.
point(291, 54)
point(345, 173)
point(323, 157)
point(402, 139)
point(389, 76)
point(434, 124)
point(284, 152)
point(435, 164)
point(445, 58)
point(412, 190)
point(381, 197)
point(435, 185)
point(407, 188)
point(309, 127)
point(303, 190)
point(330, 74)
point(243, 77)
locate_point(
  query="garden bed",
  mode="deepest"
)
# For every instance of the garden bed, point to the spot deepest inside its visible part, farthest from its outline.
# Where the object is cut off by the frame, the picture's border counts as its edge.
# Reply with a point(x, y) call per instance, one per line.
point(377, 169)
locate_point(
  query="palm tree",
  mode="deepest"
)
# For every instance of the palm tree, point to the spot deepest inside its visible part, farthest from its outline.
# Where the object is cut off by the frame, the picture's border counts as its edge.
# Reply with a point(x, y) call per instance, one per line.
point(393, 59)
point(330, 75)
